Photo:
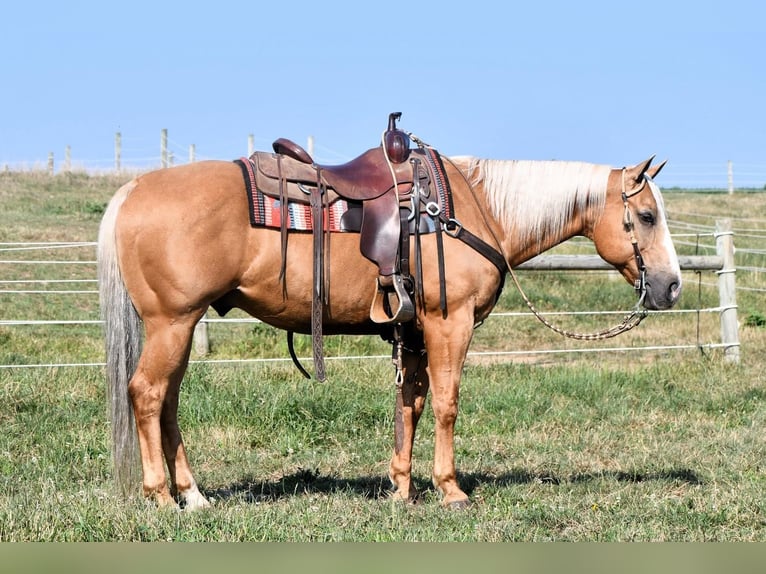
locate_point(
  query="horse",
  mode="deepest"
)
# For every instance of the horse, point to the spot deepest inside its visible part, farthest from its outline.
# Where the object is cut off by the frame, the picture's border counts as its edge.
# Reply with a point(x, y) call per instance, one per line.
point(175, 241)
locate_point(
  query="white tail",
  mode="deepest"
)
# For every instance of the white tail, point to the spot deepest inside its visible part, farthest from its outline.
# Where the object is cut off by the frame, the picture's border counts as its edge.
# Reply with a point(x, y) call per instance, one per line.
point(122, 330)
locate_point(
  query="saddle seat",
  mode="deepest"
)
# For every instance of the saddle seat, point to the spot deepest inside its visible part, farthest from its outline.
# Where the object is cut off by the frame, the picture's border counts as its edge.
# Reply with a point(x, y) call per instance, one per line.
point(365, 177)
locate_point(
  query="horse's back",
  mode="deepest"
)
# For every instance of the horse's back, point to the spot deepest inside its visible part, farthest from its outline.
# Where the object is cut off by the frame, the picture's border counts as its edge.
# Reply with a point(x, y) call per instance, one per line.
point(201, 184)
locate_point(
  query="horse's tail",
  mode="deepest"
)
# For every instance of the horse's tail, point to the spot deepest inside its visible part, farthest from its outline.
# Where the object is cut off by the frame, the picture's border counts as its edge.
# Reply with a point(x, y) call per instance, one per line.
point(122, 330)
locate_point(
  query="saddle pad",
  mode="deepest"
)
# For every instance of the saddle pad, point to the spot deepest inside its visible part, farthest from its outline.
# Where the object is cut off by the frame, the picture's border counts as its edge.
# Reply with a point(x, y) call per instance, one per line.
point(265, 211)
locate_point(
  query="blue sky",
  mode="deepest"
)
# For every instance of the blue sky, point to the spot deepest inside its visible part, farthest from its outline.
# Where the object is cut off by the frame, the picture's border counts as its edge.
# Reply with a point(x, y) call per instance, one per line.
point(605, 82)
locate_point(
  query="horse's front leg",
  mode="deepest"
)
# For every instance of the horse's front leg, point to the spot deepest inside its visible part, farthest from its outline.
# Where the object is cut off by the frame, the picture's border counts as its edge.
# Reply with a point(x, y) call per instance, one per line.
point(447, 343)
point(410, 401)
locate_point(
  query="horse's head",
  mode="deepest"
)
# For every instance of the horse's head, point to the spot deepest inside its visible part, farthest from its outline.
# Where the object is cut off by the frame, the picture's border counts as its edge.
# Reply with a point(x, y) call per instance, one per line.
point(632, 234)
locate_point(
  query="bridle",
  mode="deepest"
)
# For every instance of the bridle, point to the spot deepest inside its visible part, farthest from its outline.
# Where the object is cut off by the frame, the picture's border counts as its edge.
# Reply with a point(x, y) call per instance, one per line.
point(630, 226)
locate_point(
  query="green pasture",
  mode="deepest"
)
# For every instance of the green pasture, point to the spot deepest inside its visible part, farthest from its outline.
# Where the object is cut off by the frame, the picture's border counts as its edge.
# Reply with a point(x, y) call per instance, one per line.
point(622, 444)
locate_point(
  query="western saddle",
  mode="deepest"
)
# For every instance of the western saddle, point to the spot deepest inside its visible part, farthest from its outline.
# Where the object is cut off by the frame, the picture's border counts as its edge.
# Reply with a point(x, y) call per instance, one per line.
point(379, 179)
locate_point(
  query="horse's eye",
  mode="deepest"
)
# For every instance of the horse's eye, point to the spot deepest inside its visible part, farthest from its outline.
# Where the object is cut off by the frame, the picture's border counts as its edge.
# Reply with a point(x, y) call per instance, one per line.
point(647, 218)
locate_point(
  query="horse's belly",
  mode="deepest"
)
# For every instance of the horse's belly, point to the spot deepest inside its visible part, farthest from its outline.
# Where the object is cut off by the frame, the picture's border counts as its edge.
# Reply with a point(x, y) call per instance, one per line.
point(287, 303)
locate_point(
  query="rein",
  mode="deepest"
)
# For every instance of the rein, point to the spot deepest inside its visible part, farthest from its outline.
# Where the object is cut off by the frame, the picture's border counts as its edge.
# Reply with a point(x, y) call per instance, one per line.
point(632, 319)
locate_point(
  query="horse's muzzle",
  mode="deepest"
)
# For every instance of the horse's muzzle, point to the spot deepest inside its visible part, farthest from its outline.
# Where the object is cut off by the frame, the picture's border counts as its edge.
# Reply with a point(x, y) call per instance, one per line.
point(662, 291)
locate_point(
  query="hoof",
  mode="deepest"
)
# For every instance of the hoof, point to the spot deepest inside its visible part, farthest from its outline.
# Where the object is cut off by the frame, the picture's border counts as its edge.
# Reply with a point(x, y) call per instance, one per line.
point(194, 500)
point(163, 500)
point(402, 498)
point(459, 504)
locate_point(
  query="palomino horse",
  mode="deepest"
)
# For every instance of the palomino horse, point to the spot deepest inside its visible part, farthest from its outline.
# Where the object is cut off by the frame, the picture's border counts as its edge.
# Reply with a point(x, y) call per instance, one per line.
point(174, 241)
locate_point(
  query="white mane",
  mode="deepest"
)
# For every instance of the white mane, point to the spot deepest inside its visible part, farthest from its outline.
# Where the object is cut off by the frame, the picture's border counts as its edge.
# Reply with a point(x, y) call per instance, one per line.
point(537, 198)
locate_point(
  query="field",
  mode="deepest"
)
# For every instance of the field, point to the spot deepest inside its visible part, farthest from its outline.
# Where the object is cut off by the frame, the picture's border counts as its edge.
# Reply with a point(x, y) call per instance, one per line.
point(623, 444)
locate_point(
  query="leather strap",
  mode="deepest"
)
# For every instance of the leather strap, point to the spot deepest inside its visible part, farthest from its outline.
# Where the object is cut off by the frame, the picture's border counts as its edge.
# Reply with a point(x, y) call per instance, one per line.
point(404, 250)
point(440, 264)
point(284, 224)
point(326, 246)
point(317, 343)
point(453, 228)
point(420, 292)
point(293, 356)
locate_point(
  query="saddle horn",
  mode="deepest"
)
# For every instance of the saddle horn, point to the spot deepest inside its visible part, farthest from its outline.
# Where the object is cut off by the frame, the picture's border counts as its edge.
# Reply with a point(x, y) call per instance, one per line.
point(397, 143)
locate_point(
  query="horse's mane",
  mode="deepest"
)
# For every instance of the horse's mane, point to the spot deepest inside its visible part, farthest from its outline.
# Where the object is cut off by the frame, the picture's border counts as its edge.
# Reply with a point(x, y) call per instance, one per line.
point(538, 198)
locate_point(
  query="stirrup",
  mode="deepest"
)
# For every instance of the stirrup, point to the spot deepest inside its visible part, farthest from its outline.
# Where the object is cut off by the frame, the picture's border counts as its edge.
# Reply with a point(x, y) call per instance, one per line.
point(392, 303)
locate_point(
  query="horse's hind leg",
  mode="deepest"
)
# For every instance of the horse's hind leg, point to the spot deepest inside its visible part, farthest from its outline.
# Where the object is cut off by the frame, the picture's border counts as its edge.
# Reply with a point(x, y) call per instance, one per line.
point(182, 483)
point(154, 393)
point(409, 407)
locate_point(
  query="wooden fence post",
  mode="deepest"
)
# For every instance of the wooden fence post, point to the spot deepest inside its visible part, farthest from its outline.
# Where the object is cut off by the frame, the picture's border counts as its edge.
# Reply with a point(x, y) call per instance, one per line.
point(200, 338)
point(730, 176)
point(250, 145)
point(164, 148)
point(68, 159)
point(192, 153)
point(50, 163)
point(118, 152)
point(727, 290)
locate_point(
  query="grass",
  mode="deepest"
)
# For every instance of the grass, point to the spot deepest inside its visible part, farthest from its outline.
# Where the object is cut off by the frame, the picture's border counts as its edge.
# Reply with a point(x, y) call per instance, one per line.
point(565, 453)
point(615, 446)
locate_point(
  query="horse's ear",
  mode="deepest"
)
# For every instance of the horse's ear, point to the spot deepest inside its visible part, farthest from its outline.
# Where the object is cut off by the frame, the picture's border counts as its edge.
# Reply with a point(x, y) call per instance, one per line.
point(637, 171)
point(655, 169)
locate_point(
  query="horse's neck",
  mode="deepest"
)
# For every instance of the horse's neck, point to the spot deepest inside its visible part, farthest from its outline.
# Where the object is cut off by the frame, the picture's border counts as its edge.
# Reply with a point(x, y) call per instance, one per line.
point(521, 244)
point(537, 205)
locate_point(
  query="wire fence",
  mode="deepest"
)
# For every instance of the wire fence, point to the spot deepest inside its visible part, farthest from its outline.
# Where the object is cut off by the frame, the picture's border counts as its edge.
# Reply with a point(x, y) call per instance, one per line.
point(57, 254)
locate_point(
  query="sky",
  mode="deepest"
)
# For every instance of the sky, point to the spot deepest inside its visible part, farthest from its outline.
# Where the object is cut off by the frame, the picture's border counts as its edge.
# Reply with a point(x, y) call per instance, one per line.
point(603, 82)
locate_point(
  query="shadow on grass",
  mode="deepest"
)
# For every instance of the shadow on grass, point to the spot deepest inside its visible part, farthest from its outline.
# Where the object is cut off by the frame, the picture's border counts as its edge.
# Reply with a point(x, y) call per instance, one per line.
point(305, 481)
point(470, 482)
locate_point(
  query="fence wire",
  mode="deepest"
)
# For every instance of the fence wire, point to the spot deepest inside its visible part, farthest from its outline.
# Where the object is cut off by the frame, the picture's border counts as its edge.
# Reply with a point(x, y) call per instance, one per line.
point(701, 231)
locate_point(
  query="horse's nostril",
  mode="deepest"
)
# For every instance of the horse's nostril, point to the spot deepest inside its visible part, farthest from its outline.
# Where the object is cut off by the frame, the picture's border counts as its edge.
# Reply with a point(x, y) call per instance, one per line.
point(674, 290)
